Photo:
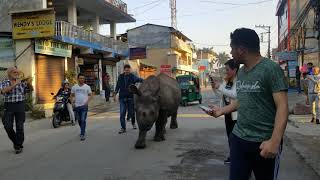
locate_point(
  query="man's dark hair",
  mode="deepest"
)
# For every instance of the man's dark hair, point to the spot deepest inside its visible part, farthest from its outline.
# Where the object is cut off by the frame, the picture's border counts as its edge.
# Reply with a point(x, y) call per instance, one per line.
point(126, 66)
point(232, 64)
point(311, 64)
point(80, 74)
point(246, 38)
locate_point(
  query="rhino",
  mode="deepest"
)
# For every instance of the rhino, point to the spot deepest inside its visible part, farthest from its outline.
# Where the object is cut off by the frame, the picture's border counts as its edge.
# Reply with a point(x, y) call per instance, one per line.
point(156, 99)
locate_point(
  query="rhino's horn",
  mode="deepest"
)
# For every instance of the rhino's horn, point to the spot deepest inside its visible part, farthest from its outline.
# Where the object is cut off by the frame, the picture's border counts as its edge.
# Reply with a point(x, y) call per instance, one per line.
point(133, 89)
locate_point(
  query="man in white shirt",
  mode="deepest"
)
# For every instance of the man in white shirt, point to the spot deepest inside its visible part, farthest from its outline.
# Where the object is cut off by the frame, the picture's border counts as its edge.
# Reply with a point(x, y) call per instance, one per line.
point(81, 95)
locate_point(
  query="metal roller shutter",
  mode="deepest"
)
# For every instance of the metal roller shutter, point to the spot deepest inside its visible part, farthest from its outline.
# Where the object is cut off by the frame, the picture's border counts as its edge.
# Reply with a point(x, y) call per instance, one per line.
point(50, 74)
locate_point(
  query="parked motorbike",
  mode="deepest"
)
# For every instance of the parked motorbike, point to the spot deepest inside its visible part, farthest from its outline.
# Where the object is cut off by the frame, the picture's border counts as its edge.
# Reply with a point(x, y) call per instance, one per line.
point(60, 111)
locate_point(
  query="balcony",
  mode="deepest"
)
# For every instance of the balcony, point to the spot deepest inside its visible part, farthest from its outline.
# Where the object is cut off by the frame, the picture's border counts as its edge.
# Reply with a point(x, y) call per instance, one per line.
point(119, 4)
point(180, 45)
point(76, 35)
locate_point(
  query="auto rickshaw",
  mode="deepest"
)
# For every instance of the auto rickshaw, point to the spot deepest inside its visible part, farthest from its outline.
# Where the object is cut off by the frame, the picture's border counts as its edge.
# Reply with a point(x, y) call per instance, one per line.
point(190, 89)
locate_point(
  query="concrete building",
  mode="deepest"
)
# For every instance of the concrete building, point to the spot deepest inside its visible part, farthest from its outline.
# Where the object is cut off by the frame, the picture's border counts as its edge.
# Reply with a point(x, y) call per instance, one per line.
point(298, 27)
point(207, 66)
point(165, 47)
point(76, 44)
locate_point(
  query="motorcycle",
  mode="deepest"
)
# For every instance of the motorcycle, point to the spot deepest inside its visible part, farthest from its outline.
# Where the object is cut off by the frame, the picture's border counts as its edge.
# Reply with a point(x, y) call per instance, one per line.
point(60, 111)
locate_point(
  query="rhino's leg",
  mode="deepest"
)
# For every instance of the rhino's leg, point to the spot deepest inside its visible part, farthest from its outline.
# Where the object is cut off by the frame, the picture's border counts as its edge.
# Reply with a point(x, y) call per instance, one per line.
point(160, 126)
point(141, 142)
point(174, 123)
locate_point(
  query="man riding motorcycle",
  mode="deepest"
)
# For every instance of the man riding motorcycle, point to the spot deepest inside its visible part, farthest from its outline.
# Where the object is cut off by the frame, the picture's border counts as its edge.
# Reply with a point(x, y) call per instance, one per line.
point(66, 92)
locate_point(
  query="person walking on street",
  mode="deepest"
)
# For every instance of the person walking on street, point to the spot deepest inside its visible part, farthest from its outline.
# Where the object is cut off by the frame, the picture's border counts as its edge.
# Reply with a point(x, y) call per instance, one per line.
point(314, 94)
point(106, 86)
point(262, 104)
point(14, 91)
point(227, 91)
point(125, 97)
point(66, 92)
point(298, 79)
point(81, 96)
point(310, 68)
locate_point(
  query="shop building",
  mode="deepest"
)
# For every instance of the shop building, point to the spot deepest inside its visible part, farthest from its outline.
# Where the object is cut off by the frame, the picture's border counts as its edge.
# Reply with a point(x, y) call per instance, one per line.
point(74, 45)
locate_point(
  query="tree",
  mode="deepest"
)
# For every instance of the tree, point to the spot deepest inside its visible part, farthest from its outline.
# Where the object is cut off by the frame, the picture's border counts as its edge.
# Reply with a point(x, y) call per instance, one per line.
point(222, 58)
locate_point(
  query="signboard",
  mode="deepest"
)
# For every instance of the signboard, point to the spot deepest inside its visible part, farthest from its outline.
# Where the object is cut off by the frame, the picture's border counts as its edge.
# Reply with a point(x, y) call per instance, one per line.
point(80, 61)
point(36, 24)
point(292, 68)
point(165, 68)
point(6, 48)
point(202, 68)
point(54, 48)
point(287, 56)
point(138, 53)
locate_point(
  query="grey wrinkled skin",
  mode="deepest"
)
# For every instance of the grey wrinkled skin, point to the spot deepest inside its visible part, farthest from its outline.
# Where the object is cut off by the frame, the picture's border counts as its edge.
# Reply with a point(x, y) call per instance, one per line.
point(156, 99)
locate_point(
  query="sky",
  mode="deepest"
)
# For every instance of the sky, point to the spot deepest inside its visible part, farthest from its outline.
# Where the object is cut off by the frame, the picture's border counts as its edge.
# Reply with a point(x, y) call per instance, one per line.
point(207, 23)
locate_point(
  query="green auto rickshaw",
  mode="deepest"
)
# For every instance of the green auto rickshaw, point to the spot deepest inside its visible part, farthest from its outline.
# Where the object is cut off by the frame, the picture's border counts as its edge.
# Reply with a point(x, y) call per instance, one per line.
point(190, 89)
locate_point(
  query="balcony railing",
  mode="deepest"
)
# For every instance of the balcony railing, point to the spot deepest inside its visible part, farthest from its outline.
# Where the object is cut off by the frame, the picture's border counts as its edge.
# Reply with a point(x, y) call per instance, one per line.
point(119, 4)
point(180, 45)
point(66, 29)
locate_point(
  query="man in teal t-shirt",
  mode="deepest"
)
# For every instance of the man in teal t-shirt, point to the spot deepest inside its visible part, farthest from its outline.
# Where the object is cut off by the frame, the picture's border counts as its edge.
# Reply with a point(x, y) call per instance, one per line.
point(262, 105)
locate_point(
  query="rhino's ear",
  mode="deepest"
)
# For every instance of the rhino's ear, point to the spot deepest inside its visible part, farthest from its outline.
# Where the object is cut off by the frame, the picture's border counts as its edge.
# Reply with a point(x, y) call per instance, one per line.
point(155, 98)
point(133, 89)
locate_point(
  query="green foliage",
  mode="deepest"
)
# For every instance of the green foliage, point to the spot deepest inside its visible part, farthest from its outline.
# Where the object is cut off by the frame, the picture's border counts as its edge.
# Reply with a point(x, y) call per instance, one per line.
point(71, 76)
point(38, 112)
point(223, 58)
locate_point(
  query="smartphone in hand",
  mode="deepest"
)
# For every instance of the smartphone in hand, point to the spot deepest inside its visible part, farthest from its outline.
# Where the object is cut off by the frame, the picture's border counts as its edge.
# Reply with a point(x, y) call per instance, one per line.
point(206, 109)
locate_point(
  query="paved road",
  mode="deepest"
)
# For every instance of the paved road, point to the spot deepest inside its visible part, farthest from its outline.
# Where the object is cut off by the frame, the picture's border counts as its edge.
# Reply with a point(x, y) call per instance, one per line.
point(195, 151)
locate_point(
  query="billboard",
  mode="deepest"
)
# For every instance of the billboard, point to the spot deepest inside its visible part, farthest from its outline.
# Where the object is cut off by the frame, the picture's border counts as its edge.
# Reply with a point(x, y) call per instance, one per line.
point(37, 24)
point(54, 48)
point(138, 53)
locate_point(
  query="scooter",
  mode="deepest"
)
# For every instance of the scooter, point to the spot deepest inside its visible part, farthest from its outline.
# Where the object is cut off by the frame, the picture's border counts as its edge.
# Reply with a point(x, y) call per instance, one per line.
point(60, 111)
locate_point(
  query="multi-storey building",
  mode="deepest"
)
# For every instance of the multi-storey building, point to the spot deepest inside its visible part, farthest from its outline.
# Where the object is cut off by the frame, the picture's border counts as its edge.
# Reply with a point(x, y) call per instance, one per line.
point(75, 45)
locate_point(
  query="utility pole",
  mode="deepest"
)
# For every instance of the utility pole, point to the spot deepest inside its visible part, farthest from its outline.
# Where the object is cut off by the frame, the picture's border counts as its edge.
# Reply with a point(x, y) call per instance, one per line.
point(268, 29)
point(173, 7)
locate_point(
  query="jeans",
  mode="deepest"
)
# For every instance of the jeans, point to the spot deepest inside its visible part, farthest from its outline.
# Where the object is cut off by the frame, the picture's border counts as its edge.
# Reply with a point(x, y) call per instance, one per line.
point(298, 85)
point(126, 105)
point(14, 112)
point(81, 113)
point(315, 104)
point(246, 158)
point(107, 94)
point(229, 125)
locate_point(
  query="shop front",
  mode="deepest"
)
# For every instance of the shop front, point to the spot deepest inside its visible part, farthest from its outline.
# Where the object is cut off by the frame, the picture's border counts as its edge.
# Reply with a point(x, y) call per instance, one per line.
point(51, 59)
point(147, 69)
point(288, 61)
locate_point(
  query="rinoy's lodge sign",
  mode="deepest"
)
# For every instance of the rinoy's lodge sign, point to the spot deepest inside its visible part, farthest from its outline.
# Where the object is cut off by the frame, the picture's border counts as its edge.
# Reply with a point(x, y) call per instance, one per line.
point(33, 24)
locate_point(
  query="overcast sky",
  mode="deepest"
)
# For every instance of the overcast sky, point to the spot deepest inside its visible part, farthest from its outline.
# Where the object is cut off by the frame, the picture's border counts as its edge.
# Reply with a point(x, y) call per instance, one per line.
point(207, 22)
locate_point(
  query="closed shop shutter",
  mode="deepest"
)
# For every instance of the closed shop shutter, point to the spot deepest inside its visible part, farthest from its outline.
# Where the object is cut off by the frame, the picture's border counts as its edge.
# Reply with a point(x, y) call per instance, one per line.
point(50, 74)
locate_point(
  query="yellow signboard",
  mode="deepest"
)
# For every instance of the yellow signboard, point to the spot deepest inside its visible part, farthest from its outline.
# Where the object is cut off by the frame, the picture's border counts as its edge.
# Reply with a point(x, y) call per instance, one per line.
point(33, 24)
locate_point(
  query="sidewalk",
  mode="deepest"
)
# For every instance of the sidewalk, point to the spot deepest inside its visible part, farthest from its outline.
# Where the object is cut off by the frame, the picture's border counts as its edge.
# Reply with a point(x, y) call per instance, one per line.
point(304, 136)
point(96, 106)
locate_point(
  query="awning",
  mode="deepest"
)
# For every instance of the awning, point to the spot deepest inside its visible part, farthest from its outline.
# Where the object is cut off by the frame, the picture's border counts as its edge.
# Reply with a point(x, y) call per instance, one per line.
point(146, 63)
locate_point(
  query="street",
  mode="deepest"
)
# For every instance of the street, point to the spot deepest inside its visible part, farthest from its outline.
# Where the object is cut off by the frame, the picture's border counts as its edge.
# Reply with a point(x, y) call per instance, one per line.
point(195, 151)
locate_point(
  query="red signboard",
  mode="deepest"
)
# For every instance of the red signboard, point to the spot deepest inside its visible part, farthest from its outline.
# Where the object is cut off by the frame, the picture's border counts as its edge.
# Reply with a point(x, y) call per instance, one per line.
point(166, 69)
point(202, 68)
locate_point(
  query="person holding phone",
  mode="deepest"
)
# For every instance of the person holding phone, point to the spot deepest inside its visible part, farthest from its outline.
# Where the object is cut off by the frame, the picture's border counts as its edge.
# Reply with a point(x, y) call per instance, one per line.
point(13, 91)
point(227, 91)
point(262, 105)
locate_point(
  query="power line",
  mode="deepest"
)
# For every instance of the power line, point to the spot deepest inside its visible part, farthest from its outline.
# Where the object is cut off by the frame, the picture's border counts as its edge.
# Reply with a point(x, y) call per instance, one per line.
point(145, 5)
point(237, 4)
point(150, 8)
point(211, 45)
point(203, 13)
